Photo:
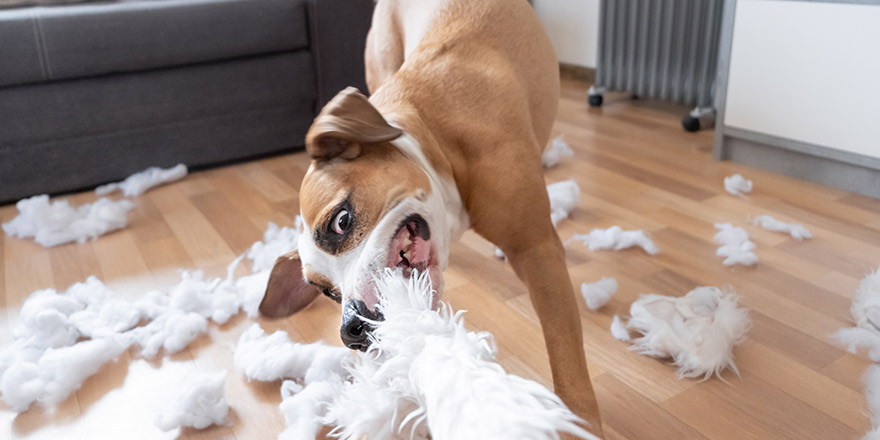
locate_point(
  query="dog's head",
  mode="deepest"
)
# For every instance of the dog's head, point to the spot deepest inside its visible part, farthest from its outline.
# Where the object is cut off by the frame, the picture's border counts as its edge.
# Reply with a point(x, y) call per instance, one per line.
point(366, 206)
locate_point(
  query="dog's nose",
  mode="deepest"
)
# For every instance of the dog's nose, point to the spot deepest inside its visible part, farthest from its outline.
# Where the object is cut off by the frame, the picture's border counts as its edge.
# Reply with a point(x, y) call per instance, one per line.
point(355, 330)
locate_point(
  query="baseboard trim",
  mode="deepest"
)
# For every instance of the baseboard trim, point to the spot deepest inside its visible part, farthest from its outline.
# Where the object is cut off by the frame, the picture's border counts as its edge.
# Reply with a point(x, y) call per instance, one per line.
point(573, 72)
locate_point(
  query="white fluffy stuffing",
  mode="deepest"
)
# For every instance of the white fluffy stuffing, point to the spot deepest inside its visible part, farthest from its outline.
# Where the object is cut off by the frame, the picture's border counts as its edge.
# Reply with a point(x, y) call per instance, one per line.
point(558, 149)
point(618, 330)
point(615, 238)
point(737, 185)
point(697, 331)
point(54, 373)
point(268, 358)
point(86, 326)
point(871, 380)
point(564, 196)
point(139, 183)
point(200, 404)
point(424, 374)
point(797, 231)
point(54, 223)
point(736, 248)
point(865, 311)
point(597, 294)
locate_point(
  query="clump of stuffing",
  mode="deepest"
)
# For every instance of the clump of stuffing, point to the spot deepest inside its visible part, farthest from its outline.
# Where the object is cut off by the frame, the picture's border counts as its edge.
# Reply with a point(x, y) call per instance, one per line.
point(63, 338)
point(697, 331)
point(737, 185)
point(618, 330)
point(268, 358)
point(424, 376)
point(54, 223)
point(597, 294)
point(865, 311)
point(558, 149)
point(797, 231)
point(200, 404)
point(736, 248)
point(615, 238)
point(140, 182)
point(564, 196)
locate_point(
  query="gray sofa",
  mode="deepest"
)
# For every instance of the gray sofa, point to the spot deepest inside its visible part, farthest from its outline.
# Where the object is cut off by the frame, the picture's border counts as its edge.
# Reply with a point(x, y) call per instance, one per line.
point(91, 93)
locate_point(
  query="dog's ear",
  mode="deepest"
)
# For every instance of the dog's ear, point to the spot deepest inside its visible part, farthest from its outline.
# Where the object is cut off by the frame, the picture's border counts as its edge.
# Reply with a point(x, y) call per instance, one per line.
point(287, 291)
point(345, 124)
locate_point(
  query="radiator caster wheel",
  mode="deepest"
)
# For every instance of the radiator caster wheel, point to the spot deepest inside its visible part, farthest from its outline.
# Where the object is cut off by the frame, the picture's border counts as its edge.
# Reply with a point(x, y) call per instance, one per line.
point(595, 100)
point(690, 124)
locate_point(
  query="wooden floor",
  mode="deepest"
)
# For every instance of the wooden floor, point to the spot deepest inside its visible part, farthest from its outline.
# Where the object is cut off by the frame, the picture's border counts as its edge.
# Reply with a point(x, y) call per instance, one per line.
point(637, 169)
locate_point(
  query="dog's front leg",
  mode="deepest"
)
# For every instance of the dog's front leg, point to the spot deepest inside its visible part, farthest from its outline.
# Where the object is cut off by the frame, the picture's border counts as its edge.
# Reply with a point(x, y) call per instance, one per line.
point(542, 268)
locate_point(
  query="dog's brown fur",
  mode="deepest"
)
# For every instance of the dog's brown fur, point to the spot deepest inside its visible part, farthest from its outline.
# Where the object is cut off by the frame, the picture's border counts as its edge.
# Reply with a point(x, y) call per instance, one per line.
point(476, 83)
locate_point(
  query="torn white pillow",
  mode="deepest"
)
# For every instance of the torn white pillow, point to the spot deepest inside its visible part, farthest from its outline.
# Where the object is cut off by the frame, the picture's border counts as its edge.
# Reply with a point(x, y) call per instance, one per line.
point(564, 197)
point(597, 294)
point(54, 223)
point(615, 238)
point(697, 331)
point(424, 374)
point(200, 404)
point(558, 149)
point(798, 232)
point(736, 248)
point(737, 185)
point(140, 182)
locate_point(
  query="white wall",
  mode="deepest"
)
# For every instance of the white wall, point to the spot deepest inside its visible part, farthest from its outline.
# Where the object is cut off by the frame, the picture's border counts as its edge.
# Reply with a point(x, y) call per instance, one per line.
point(807, 71)
point(573, 26)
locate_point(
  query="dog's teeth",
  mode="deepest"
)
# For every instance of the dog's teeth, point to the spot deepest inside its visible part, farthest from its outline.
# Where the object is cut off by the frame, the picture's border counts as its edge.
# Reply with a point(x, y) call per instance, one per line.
point(406, 242)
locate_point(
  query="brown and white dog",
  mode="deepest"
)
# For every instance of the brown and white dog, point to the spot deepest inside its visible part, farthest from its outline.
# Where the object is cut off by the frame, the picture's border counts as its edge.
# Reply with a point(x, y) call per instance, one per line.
point(464, 95)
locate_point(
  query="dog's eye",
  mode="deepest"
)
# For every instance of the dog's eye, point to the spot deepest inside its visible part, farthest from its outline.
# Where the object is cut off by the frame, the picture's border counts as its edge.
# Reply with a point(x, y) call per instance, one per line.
point(342, 222)
point(329, 294)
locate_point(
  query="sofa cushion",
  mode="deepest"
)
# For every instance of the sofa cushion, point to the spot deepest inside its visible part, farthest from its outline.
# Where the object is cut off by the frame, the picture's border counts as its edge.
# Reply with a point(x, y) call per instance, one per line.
point(93, 39)
point(21, 3)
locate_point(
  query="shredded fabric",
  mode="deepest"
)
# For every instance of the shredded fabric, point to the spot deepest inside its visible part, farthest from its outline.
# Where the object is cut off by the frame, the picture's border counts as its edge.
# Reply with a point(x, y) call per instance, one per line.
point(615, 238)
point(736, 248)
point(597, 294)
point(618, 330)
point(697, 331)
point(424, 376)
point(797, 231)
point(54, 223)
point(200, 404)
point(139, 183)
point(63, 338)
point(737, 185)
point(558, 149)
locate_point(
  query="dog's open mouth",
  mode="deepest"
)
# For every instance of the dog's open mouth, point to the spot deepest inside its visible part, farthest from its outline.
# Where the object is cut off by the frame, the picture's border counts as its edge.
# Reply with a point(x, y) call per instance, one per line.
point(411, 246)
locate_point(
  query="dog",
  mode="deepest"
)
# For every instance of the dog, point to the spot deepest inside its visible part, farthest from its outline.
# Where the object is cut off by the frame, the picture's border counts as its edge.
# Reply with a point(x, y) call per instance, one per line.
point(463, 98)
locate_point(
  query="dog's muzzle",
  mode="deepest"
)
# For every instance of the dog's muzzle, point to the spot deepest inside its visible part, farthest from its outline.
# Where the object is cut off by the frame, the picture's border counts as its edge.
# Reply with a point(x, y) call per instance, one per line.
point(355, 326)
